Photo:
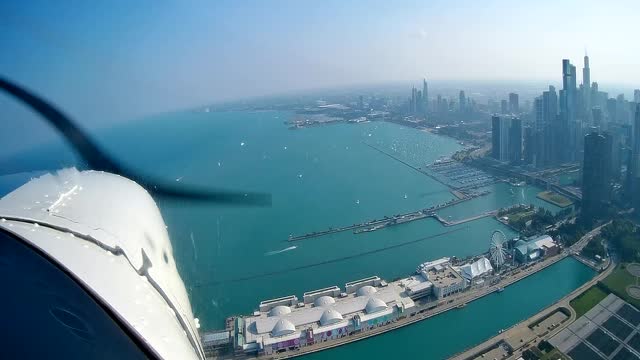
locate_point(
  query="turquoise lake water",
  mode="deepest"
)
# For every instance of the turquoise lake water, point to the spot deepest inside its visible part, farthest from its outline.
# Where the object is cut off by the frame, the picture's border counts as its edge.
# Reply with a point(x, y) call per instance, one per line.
point(231, 258)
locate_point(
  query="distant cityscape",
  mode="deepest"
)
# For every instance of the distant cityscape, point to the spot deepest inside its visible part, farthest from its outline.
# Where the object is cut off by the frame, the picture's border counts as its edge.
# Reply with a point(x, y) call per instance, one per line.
point(577, 128)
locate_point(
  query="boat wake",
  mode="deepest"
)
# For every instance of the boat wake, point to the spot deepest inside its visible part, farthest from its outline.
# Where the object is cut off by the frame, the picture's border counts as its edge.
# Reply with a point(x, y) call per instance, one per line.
point(193, 244)
point(269, 253)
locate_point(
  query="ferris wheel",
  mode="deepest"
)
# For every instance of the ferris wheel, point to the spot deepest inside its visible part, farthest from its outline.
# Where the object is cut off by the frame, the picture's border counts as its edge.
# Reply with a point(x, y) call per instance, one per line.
point(497, 252)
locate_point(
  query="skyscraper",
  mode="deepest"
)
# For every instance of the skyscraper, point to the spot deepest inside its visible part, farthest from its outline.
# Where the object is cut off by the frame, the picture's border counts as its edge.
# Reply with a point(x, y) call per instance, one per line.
point(515, 140)
point(596, 181)
point(505, 135)
point(504, 106)
point(635, 162)
point(596, 115)
point(529, 145)
point(495, 137)
point(425, 94)
point(550, 129)
point(636, 96)
point(612, 106)
point(463, 100)
point(570, 128)
point(414, 95)
point(586, 89)
point(514, 107)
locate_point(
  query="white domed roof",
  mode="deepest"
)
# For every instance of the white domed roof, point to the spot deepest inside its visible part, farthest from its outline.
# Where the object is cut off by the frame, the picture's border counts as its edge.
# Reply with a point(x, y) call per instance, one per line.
point(279, 310)
point(330, 316)
point(283, 327)
point(375, 305)
point(366, 291)
point(324, 301)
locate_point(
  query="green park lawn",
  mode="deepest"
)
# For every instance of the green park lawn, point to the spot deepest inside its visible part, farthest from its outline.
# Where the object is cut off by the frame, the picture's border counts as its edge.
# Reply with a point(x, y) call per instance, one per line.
point(587, 300)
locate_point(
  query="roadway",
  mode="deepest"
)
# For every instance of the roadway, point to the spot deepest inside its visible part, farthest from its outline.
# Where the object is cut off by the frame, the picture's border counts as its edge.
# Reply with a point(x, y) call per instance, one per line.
point(564, 302)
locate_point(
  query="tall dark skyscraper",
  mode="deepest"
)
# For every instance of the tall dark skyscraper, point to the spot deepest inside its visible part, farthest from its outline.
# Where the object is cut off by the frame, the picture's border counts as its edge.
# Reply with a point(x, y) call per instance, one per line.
point(550, 129)
point(636, 96)
point(586, 87)
point(570, 128)
point(529, 145)
point(514, 107)
point(515, 140)
point(495, 137)
point(596, 115)
point(635, 162)
point(596, 182)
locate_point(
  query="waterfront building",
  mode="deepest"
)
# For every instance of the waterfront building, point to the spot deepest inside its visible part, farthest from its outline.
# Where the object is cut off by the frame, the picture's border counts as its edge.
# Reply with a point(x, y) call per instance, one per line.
point(326, 314)
point(596, 173)
point(505, 135)
point(495, 137)
point(446, 281)
point(535, 248)
point(506, 139)
point(530, 149)
point(478, 269)
point(515, 140)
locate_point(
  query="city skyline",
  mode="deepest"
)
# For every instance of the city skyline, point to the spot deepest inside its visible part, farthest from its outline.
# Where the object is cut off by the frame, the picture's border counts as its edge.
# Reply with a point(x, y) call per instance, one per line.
point(154, 59)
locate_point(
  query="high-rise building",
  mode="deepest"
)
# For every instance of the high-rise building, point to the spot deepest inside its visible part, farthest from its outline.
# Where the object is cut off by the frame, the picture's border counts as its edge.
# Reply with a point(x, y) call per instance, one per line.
point(596, 115)
point(596, 184)
point(529, 145)
point(549, 129)
point(495, 137)
point(504, 106)
point(612, 106)
point(414, 95)
point(636, 96)
point(635, 161)
point(463, 100)
point(514, 107)
point(505, 135)
point(586, 87)
point(571, 129)
point(515, 140)
point(425, 94)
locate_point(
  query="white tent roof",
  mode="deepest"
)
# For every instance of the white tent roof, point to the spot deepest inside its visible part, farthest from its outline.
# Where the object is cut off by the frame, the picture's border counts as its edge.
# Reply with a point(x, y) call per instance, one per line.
point(283, 327)
point(478, 268)
point(330, 316)
point(280, 310)
point(366, 291)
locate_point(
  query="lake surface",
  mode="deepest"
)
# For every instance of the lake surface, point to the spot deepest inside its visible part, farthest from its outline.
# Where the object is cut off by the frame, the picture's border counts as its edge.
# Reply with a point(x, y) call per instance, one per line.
point(231, 258)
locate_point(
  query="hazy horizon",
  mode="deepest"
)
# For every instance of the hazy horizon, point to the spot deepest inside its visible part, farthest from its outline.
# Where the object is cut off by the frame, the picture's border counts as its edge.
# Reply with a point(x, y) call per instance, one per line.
point(121, 60)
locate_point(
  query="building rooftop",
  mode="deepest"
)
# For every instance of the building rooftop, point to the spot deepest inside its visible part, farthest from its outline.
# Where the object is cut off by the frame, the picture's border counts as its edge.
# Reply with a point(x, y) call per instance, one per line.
point(445, 278)
point(326, 312)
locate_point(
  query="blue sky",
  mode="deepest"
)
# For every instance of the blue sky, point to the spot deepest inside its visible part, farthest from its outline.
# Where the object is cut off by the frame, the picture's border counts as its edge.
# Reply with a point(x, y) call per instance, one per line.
point(115, 60)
